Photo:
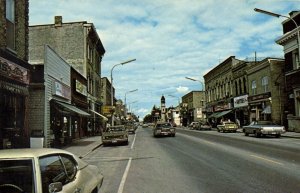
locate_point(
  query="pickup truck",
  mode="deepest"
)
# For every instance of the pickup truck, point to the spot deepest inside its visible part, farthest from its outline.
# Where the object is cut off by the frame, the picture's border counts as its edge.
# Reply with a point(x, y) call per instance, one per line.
point(115, 135)
point(227, 126)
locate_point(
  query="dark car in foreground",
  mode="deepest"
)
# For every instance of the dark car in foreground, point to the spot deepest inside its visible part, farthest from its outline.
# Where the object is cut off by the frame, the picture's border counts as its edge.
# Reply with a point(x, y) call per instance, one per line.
point(164, 129)
point(263, 128)
point(46, 170)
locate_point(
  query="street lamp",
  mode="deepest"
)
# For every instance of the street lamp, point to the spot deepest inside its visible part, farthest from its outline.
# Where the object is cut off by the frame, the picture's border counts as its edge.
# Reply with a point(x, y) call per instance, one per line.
point(129, 92)
point(175, 97)
point(111, 82)
point(278, 15)
point(197, 81)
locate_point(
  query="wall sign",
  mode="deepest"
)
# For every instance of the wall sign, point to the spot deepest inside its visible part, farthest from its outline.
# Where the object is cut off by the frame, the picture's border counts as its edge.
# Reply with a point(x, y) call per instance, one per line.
point(61, 90)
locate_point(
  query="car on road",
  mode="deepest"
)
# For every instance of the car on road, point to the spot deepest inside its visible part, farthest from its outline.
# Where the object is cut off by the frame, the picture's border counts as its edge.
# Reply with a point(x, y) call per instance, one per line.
point(45, 170)
point(115, 135)
point(164, 129)
point(194, 125)
point(263, 128)
point(205, 126)
point(131, 127)
point(227, 126)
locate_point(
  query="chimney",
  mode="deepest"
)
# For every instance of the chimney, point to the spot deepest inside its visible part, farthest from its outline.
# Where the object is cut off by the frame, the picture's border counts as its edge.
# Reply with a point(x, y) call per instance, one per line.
point(58, 21)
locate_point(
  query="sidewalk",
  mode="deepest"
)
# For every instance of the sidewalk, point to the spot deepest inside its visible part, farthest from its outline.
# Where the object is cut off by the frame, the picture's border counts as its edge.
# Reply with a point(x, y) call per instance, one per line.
point(82, 147)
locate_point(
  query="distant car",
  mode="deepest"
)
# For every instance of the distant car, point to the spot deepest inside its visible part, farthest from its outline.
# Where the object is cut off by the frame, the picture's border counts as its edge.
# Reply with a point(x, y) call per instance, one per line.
point(259, 128)
point(131, 127)
point(46, 170)
point(205, 126)
point(115, 135)
point(145, 125)
point(194, 125)
point(164, 129)
point(227, 126)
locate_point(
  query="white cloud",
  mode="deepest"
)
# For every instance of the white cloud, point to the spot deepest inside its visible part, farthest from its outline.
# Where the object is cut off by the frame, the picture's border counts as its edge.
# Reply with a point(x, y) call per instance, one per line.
point(170, 39)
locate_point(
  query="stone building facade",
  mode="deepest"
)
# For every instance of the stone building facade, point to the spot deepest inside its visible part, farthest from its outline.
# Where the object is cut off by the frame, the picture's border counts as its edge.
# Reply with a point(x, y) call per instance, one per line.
point(14, 74)
point(79, 44)
point(266, 93)
point(219, 88)
point(292, 69)
point(195, 103)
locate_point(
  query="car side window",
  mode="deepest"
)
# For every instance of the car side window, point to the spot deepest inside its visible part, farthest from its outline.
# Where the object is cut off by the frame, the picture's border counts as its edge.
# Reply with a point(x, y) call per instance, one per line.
point(70, 166)
point(52, 170)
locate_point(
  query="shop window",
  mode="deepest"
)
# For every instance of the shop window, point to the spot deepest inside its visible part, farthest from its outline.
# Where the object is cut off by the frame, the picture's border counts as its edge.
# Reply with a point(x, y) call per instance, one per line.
point(253, 87)
point(265, 83)
point(10, 24)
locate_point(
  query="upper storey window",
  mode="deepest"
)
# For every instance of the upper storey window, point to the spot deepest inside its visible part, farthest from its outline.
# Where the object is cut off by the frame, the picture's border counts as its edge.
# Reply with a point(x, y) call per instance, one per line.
point(10, 24)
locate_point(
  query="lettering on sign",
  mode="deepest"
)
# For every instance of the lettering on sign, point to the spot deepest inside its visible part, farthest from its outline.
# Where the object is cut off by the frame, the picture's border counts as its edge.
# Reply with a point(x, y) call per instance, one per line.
point(13, 71)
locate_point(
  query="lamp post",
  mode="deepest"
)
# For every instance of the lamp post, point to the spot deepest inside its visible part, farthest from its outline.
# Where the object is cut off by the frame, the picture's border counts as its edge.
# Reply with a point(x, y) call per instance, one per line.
point(202, 84)
point(111, 82)
point(175, 97)
point(127, 93)
point(278, 15)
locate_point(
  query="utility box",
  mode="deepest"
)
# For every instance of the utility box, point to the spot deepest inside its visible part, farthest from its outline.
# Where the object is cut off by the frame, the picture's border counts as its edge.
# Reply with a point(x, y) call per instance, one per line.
point(37, 139)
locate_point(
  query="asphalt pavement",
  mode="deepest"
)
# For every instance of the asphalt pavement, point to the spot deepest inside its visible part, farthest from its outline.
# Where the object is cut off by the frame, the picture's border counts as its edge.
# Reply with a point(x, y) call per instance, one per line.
point(82, 147)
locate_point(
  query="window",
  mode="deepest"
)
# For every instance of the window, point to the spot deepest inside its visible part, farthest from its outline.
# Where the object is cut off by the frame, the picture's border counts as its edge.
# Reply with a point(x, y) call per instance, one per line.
point(10, 24)
point(253, 87)
point(265, 83)
point(296, 60)
point(57, 168)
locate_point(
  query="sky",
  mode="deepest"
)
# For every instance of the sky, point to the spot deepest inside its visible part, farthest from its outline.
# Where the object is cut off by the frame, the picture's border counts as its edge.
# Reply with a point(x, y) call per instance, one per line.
point(170, 40)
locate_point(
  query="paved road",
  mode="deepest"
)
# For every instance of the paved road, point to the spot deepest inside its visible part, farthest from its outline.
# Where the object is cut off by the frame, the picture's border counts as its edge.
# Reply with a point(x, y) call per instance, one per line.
point(197, 162)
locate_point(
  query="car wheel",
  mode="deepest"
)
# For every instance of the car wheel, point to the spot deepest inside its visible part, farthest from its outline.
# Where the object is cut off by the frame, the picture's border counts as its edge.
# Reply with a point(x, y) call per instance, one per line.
point(277, 135)
point(246, 134)
point(218, 130)
point(257, 134)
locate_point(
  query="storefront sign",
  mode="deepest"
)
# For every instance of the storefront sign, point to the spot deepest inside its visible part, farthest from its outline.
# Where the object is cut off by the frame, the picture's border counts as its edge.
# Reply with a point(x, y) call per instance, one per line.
point(199, 113)
point(81, 88)
point(62, 90)
point(13, 71)
point(259, 97)
point(241, 101)
point(222, 107)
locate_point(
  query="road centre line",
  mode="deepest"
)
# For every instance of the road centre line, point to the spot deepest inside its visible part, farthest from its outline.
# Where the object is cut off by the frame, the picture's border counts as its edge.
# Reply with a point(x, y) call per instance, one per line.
point(133, 141)
point(265, 159)
point(122, 184)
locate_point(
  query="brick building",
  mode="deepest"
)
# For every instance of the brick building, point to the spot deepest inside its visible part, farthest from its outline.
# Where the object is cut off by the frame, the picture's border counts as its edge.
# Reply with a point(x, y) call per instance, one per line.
point(266, 94)
point(195, 104)
point(79, 44)
point(290, 43)
point(219, 86)
point(14, 74)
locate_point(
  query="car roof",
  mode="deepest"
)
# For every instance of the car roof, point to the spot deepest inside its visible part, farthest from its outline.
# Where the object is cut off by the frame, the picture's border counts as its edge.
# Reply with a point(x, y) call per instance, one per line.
point(30, 152)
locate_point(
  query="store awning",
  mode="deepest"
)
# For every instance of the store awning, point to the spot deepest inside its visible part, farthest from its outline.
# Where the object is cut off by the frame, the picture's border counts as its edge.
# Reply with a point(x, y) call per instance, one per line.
point(72, 108)
point(213, 115)
point(267, 110)
point(221, 114)
point(102, 116)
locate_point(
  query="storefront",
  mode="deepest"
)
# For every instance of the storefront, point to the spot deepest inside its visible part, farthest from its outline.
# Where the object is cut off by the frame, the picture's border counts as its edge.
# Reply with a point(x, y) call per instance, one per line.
point(240, 105)
point(13, 104)
point(260, 107)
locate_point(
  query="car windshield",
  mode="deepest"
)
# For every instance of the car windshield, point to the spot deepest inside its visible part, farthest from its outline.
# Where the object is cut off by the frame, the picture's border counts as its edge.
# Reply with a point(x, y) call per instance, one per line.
point(265, 123)
point(16, 176)
point(164, 125)
point(116, 128)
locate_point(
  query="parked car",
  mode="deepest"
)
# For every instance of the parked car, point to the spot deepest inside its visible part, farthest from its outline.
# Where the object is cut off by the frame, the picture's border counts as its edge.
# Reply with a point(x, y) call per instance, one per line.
point(259, 128)
point(115, 135)
point(205, 126)
point(46, 170)
point(227, 126)
point(194, 125)
point(164, 129)
point(131, 127)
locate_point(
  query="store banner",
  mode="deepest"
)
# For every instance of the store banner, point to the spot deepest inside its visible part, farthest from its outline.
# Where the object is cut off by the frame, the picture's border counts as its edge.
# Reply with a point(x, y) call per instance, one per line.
point(241, 101)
